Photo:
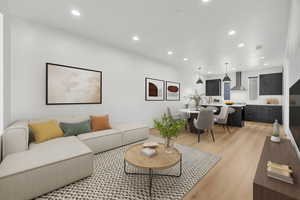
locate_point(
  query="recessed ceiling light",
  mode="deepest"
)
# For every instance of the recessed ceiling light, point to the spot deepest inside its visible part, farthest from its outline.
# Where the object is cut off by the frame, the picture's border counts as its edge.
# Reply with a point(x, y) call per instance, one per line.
point(262, 57)
point(266, 64)
point(170, 53)
point(240, 45)
point(209, 72)
point(231, 32)
point(206, 1)
point(233, 68)
point(75, 13)
point(135, 38)
point(185, 59)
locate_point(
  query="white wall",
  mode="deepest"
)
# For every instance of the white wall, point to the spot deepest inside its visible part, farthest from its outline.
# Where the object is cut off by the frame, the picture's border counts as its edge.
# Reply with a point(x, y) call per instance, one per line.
point(1, 72)
point(292, 60)
point(5, 69)
point(6, 62)
point(189, 85)
point(33, 45)
point(243, 96)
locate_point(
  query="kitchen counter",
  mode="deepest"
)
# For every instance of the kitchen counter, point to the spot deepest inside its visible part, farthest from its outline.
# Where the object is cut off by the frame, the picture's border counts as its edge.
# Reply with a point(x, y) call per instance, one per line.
point(221, 104)
point(241, 105)
point(261, 104)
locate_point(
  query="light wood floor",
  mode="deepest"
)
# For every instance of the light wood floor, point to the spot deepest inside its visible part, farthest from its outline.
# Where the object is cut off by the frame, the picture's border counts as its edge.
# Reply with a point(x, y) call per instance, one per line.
point(232, 177)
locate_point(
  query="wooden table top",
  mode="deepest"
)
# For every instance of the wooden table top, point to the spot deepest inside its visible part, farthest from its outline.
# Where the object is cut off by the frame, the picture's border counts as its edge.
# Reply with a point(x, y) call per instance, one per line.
point(162, 159)
point(282, 153)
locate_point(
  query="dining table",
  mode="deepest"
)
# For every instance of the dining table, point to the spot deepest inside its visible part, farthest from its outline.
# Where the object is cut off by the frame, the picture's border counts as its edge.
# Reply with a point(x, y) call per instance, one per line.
point(235, 118)
point(193, 114)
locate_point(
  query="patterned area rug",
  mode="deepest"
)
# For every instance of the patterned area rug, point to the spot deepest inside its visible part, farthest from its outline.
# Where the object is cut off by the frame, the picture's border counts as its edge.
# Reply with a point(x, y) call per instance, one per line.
point(110, 182)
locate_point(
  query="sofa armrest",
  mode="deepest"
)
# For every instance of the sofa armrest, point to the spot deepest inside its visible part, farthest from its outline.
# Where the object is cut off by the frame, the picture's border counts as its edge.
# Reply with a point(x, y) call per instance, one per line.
point(15, 138)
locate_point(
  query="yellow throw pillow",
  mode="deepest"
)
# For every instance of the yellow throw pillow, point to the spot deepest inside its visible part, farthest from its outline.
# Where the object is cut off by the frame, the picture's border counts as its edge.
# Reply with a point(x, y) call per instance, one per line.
point(45, 131)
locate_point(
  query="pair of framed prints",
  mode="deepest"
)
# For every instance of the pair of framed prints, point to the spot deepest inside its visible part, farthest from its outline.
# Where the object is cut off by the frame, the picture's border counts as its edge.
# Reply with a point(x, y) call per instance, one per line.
point(160, 90)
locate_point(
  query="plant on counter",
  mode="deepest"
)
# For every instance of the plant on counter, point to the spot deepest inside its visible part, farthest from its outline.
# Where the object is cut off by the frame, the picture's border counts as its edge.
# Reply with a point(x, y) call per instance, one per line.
point(168, 127)
point(196, 97)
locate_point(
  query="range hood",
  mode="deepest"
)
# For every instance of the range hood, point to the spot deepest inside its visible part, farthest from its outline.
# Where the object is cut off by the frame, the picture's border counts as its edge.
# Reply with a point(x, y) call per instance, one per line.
point(238, 79)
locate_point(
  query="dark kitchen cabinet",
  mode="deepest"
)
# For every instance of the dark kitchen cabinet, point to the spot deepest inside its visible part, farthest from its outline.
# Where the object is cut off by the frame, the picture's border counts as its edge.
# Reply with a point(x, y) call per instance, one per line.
point(251, 113)
point(261, 113)
point(213, 87)
point(237, 118)
point(270, 84)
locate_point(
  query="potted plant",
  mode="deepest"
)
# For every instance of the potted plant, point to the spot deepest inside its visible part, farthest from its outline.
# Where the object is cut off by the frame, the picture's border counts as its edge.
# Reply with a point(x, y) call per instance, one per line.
point(169, 128)
point(196, 97)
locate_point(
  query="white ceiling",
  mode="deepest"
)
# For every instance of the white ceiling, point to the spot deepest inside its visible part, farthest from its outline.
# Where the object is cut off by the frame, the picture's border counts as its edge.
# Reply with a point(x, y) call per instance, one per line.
point(189, 28)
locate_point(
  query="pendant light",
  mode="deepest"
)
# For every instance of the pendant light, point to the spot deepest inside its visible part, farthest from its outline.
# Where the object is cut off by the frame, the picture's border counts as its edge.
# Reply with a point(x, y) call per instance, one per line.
point(199, 80)
point(226, 78)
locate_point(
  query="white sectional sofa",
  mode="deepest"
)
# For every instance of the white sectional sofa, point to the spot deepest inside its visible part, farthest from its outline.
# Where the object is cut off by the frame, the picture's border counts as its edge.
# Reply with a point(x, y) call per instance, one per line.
point(29, 170)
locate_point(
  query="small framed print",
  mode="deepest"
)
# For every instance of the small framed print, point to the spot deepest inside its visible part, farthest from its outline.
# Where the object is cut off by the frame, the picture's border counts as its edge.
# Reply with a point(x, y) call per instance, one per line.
point(154, 89)
point(172, 91)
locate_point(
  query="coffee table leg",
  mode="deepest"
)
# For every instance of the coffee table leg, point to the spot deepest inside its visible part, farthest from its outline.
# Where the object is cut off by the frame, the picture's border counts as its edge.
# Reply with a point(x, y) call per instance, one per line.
point(125, 167)
point(151, 174)
point(150, 179)
point(180, 166)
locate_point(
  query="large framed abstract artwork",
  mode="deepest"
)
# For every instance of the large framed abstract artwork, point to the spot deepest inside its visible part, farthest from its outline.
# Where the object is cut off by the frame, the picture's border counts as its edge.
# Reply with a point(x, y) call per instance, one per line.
point(154, 89)
point(72, 85)
point(172, 91)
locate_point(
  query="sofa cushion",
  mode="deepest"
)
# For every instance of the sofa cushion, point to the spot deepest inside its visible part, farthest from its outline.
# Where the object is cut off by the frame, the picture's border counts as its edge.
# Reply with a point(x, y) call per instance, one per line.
point(43, 154)
point(92, 135)
point(133, 132)
point(44, 131)
point(45, 167)
point(128, 127)
point(102, 140)
point(73, 129)
point(100, 123)
point(15, 138)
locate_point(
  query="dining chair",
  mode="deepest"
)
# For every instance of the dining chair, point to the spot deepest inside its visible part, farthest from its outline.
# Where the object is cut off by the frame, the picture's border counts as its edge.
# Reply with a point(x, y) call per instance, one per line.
point(213, 108)
point(205, 122)
point(181, 116)
point(172, 115)
point(222, 118)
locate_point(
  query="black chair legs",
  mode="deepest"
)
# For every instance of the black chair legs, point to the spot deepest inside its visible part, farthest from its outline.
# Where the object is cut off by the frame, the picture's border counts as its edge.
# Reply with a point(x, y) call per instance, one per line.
point(228, 129)
point(212, 134)
point(208, 131)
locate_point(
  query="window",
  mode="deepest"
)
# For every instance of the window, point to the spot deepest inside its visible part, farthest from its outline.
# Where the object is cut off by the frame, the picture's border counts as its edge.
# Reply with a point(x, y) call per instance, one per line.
point(227, 91)
point(253, 88)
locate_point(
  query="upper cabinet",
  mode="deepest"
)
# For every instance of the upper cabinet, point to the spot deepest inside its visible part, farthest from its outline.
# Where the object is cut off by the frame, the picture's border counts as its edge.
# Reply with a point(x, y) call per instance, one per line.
point(213, 87)
point(270, 84)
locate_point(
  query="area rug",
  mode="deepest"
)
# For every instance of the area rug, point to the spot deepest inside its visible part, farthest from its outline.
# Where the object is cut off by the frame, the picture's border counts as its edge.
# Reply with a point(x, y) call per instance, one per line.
point(110, 182)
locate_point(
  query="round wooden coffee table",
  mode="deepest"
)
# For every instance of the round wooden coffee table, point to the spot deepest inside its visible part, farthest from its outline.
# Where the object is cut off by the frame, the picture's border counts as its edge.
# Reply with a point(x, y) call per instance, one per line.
point(163, 159)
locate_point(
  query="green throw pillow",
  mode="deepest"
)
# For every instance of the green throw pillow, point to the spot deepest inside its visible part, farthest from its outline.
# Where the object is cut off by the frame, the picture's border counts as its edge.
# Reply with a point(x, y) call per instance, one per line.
point(71, 129)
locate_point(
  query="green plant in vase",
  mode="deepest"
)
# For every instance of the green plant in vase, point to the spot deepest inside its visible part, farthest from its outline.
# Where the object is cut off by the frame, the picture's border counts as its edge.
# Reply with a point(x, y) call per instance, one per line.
point(169, 128)
point(196, 97)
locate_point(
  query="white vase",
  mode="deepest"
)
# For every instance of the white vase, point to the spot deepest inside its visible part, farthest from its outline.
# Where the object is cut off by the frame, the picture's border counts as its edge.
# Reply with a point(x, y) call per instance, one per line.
point(276, 132)
point(275, 139)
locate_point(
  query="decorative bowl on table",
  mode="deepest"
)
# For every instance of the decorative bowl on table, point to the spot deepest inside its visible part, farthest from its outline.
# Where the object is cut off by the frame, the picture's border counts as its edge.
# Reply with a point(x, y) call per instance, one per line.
point(150, 144)
point(229, 103)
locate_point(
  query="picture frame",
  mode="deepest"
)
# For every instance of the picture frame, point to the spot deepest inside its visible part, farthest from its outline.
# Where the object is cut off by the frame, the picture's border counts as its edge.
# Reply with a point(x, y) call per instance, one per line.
point(154, 89)
point(68, 85)
point(172, 91)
